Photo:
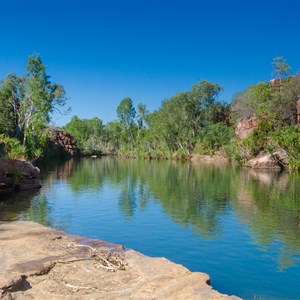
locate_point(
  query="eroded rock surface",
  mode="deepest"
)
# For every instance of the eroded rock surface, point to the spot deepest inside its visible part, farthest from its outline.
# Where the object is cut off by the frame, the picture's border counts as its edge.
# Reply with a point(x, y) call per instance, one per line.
point(245, 127)
point(276, 160)
point(41, 263)
point(15, 166)
point(63, 142)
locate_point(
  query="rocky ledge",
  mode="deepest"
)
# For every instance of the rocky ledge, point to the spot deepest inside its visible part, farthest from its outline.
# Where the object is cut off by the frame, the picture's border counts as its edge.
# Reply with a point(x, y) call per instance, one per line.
point(17, 175)
point(42, 263)
point(276, 160)
point(209, 159)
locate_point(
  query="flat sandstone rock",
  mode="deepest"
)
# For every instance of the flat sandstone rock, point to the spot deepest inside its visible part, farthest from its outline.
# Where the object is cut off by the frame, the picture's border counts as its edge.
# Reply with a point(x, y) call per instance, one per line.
point(37, 262)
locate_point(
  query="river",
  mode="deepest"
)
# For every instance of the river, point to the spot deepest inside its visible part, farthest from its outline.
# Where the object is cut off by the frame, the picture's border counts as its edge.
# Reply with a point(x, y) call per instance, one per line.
point(239, 225)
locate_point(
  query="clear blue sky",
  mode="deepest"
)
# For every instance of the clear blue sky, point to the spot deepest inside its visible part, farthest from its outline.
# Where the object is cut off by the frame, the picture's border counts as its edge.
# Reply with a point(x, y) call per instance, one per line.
point(103, 51)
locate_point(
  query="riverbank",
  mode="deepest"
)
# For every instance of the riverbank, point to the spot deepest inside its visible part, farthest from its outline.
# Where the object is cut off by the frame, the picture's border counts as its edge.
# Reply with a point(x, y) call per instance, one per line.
point(42, 263)
point(17, 175)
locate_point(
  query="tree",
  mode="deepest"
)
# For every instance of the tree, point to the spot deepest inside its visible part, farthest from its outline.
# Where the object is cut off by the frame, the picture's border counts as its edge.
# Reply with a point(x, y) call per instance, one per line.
point(11, 91)
point(26, 105)
point(176, 126)
point(89, 134)
point(126, 114)
point(252, 102)
point(280, 67)
point(284, 100)
point(40, 100)
point(141, 115)
point(113, 131)
point(201, 104)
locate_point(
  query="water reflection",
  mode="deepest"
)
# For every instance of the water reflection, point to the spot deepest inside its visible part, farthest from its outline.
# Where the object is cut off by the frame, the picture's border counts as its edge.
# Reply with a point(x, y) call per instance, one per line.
point(269, 203)
point(29, 205)
point(194, 196)
point(127, 197)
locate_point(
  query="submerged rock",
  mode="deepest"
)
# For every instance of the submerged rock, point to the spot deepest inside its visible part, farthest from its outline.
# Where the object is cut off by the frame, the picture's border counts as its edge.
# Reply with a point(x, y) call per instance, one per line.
point(42, 263)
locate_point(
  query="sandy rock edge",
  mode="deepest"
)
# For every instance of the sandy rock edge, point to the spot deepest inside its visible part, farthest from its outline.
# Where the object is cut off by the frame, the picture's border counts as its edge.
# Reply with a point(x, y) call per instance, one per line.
point(149, 278)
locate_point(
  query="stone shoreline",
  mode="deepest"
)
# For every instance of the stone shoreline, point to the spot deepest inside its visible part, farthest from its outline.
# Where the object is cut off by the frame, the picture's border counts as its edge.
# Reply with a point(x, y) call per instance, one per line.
point(37, 262)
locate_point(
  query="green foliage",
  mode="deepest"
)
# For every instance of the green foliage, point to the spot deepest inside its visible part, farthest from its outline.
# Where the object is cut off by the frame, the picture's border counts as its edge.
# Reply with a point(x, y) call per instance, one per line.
point(252, 102)
point(26, 105)
point(288, 139)
point(260, 139)
point(212, 138)
point(141, 115)
point(11, 90)
point(170, 132)
point(280, 67)
point(178, 123)
point(11, 148)
point(283, 103)
point(89, 134)
point(126, 114)
point(275, 107)
point(40, 100)
point(236, 151)
point(113, 131)
point(276, 103)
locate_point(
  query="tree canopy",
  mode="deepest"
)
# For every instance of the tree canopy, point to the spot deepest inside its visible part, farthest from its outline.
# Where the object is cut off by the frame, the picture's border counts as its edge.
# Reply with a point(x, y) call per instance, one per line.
point(27, 102)
point(190, 121)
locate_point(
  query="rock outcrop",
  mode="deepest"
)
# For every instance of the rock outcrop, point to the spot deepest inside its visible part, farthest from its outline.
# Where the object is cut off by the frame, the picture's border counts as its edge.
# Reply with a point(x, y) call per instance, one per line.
point(63, 142)
point(275, 82)
point(41, 263)
point(245, 127)
point(209, 159)
point(275, 160)
point(17, 175)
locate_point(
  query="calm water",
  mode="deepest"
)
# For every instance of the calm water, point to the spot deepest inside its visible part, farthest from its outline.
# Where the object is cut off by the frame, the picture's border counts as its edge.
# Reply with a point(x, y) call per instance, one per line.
point(240, 226)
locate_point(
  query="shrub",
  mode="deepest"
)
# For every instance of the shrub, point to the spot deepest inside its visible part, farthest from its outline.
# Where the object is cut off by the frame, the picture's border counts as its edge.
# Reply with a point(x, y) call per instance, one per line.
point(11, 148)
point(288, 139)
point(213, 137)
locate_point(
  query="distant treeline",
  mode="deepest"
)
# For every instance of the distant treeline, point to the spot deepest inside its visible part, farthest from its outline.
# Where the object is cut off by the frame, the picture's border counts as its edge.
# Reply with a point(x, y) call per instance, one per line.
point(196, 122)
point(193, 121)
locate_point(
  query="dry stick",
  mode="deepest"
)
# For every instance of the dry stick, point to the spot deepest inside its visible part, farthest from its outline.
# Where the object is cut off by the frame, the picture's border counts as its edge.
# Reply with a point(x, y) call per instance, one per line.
point(77, 287)
point(109, 266)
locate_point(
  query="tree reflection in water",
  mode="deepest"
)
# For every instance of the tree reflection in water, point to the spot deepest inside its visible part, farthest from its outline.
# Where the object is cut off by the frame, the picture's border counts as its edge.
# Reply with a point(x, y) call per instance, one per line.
point(194, 195)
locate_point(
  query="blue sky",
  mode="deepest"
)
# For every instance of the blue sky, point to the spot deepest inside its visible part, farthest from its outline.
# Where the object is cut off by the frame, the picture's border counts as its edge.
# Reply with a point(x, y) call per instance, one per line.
point(103, 51)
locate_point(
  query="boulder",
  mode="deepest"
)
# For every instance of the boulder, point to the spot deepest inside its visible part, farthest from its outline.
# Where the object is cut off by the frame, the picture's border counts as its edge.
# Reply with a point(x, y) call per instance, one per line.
point(275, 160)
point(281, 156)
point(18, 167)
point(276, 82)
point(245, 127)
point(5, 188)
point(263, 161)
point(17, 175)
